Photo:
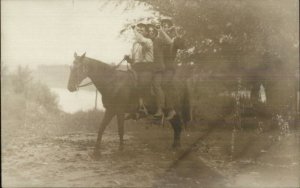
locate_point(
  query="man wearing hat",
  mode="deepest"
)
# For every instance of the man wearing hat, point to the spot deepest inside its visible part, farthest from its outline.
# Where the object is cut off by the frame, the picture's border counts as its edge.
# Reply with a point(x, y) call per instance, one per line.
point(169, 54)
point(159, 38)
point(142, 48)
point(141, 58)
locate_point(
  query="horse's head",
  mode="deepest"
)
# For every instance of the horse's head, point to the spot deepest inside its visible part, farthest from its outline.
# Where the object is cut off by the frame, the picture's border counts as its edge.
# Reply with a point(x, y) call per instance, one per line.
point(78, 72)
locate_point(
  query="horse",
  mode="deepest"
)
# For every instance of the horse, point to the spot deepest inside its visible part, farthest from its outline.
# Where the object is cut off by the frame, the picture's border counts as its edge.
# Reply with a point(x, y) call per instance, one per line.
point(115, 87)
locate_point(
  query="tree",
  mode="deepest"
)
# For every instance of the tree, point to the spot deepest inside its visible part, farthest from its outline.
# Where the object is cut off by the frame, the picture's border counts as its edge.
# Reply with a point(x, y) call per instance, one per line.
point(252, 40)
point(21, 79)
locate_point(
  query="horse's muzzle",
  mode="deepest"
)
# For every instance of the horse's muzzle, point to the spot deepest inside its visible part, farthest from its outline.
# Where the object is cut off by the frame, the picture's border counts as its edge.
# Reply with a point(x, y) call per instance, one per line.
point(72, 88)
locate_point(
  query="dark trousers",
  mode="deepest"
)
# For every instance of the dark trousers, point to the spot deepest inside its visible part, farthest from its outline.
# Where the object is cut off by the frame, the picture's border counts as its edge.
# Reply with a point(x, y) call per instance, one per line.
point(147, 77)
point(157, 89)
point(143, 72)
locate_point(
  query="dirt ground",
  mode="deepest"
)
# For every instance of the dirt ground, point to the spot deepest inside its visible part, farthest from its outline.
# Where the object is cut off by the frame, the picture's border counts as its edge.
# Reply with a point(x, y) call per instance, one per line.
point(210, 156)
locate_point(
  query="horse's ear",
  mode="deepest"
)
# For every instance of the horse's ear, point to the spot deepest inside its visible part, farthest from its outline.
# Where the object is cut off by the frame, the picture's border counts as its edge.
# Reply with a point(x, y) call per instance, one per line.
point(75, 54)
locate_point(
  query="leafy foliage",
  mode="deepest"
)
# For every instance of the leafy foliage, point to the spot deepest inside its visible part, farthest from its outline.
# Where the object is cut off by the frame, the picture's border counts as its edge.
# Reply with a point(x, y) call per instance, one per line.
point(25, 100)
point(252, 40)
point(256, 41)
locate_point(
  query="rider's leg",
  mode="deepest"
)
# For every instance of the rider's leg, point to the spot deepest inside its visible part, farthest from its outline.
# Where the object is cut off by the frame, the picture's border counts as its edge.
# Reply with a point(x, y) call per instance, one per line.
point(137, 97)
point(142, 90)
point(133, 101)
point(158, 92)
point(142, 107)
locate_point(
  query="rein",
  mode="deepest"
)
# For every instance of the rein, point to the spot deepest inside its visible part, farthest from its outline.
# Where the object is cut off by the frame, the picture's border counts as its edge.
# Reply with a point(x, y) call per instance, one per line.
point(119, 63)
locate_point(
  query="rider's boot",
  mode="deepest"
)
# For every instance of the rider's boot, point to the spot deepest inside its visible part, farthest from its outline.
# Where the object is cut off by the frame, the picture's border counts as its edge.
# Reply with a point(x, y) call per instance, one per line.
point(171, 114)
point(133, 116)
point(159, 113)
point(142, 108)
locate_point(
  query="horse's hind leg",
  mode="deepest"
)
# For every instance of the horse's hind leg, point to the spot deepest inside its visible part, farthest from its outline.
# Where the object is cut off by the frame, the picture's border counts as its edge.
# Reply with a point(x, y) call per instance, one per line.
point(120, 118)
point(108, 115)
point(176, 124)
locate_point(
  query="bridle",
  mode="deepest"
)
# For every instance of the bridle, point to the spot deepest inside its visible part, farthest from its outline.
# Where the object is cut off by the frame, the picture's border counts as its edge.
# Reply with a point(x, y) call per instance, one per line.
point(91, 83)
point(77, 81)
point(117, 66)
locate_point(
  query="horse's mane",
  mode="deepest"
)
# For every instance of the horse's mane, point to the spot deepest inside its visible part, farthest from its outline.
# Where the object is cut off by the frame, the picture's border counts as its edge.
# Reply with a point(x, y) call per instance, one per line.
point(97, 63)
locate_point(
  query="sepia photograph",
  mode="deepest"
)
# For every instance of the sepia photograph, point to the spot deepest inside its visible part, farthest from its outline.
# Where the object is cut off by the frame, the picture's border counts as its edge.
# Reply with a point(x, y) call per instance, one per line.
point(150, 93)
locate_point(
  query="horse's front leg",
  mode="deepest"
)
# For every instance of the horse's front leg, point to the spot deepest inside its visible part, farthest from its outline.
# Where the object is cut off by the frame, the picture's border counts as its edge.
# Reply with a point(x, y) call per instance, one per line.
point(108, 115)
point(120, 118)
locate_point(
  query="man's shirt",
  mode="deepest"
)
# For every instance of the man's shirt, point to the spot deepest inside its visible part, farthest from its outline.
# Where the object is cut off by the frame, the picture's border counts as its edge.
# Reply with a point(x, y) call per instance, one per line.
point(170, 52)
point(142, 49)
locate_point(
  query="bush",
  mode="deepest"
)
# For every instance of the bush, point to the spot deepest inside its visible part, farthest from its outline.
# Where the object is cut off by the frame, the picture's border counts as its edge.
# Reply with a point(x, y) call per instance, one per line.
point(21, 79)
point(26, 101)
point(42, 95)
point(207, 102)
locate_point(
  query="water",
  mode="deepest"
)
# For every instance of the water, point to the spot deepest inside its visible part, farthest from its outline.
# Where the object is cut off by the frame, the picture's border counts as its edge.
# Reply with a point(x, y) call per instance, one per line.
point(81, 100)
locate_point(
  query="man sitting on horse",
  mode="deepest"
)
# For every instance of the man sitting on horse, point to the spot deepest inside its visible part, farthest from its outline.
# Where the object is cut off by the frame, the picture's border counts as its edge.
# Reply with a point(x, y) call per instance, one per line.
point(169, 54)
point(141, 59)
point(159, 38)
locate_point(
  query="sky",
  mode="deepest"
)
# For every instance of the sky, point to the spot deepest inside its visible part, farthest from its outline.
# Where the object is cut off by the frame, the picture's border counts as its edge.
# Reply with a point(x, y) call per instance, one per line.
point(48, 32)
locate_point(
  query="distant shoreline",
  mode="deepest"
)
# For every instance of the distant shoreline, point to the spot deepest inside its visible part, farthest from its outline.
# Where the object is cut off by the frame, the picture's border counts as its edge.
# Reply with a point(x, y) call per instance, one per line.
point(56, 76)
